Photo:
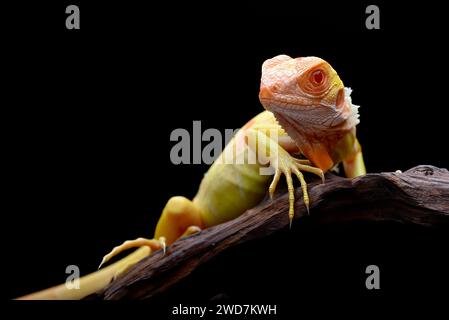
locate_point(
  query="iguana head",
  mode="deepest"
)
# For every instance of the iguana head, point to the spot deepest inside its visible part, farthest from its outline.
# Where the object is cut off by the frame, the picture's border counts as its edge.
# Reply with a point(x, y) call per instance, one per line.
point(310, 102)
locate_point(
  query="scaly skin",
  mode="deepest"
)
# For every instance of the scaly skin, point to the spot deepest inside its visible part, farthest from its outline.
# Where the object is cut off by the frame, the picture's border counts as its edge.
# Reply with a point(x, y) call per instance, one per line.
point(311, 114)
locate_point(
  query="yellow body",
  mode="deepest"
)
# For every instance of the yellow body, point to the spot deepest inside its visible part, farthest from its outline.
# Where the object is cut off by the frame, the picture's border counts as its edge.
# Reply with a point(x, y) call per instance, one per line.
point(318, 121)
point(229, 189)
point(226, 191)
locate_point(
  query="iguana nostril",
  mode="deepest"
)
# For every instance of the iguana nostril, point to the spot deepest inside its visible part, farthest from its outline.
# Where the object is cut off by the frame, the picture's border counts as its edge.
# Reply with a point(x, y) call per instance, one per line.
point(265, 93)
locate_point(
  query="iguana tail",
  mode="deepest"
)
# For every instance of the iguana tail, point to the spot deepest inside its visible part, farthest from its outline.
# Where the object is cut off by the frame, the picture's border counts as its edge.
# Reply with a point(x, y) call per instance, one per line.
point(90, 283)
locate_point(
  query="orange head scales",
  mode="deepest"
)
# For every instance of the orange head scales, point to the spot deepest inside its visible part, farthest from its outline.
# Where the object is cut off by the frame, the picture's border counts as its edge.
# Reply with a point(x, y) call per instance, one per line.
point(310, 102)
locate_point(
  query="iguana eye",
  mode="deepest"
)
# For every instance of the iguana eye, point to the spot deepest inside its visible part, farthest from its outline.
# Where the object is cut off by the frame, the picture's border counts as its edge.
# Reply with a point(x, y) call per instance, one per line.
point(317, 77)
point(315, 82)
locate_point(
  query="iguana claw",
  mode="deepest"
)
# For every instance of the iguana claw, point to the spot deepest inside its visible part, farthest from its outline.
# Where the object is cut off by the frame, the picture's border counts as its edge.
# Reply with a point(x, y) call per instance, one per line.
point(153, 244)
point(286, 164)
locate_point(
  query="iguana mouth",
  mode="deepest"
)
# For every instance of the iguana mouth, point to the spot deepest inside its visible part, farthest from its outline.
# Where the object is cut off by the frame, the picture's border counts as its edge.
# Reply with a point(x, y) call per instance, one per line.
point(315, 129)
point(343, 115)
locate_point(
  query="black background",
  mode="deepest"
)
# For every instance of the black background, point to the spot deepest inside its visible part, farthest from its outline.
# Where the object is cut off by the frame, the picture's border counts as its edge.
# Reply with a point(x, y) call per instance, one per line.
point(88, 115)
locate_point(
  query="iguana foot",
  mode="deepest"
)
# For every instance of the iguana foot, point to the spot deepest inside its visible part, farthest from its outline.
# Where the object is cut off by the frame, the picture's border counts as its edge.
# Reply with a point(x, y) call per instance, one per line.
point(191, 230)
point(287, 164)
point(180, 218)
point(153, 244)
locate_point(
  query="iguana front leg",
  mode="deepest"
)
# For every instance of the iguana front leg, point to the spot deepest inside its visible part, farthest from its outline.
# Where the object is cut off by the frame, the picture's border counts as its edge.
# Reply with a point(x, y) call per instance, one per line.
point(264, 140)
point(236, 183)
point(311, 104)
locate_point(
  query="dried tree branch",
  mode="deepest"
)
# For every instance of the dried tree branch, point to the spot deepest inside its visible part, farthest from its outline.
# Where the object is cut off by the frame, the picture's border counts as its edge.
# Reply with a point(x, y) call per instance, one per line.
point(419, 196)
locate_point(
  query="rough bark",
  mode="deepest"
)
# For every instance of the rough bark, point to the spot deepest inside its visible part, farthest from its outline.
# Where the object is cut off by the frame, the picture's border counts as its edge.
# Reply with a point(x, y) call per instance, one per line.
point(419, 196)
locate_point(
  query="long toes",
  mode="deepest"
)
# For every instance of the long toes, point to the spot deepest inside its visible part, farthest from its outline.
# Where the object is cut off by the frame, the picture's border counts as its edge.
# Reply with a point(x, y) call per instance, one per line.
point(291, 195)
point(139, 242)
point(274, 183)
point(313, 170)
point(321, 175)
point(190, 231)
point(115, 251)
point(305, 193)
point(164, 245)
point(105, 259)
point(303, 161)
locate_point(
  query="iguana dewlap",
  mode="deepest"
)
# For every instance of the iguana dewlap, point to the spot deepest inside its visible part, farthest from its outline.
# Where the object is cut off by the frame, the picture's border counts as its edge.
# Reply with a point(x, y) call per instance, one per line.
point(311, 112)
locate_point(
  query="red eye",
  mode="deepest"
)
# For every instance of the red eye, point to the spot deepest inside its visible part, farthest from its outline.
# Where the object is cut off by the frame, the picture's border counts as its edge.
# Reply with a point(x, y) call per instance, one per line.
point(317, 77)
